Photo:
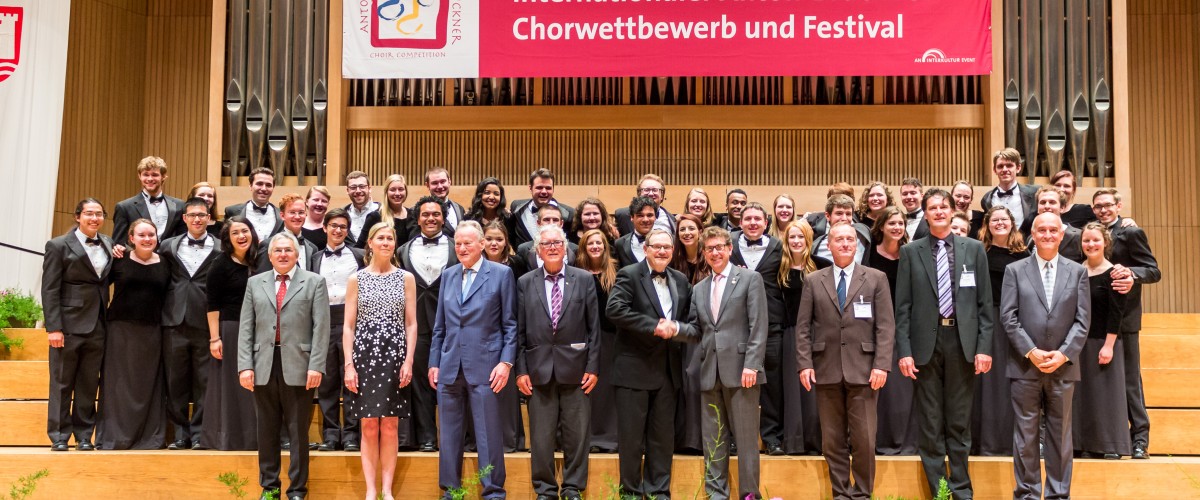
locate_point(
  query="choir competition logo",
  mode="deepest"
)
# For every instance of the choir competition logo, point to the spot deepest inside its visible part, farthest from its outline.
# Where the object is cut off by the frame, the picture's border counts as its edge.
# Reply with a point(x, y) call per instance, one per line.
point(409, 24)
point(10, 40)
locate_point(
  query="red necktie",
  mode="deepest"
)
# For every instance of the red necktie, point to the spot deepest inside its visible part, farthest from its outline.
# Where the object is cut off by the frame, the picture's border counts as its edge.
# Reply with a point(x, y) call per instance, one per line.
point(279, 295)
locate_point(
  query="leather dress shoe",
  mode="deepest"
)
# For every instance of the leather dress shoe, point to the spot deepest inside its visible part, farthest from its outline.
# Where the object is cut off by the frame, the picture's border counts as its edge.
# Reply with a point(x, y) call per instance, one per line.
point(285, 445)
point(572, 495)
point(775, 449)
point(350, 446)
point(59, 446)
point(546, 497)
point(1139, 452)
point(181, 444)
point(85, 446)
point(313, 445)
point(198, 446)
point(1112, 456)
point(428, 447)
point(328, 446)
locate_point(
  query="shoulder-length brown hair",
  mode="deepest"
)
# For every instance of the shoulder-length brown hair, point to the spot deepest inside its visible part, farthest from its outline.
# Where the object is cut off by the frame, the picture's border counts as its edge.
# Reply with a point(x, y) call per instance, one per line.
point(604, 265)
point(1016, 241)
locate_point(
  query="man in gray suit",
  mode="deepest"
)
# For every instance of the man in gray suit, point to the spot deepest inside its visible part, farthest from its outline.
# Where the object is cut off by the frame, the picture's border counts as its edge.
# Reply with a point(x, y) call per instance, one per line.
point(729, 319)
point(558, 356)
point(1045, 307)
point(845, 329)
point(282, 344)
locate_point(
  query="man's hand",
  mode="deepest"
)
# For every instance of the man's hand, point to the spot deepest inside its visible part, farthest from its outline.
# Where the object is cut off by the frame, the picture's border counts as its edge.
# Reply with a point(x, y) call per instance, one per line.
point(351, 379)
point(983, 363)
point(878, 378)
point(589, 382)
point(314, 380)
point(246, 378)
point(1037, 356)
point(524, 385)
point(1122, 279)
point(56, 339)
point(908, 368)
point(808, 378)
point(499, 377)
point(664, 329)
point(118, 251)
point(1054, 359)
point(433, 375)
point(749, 378)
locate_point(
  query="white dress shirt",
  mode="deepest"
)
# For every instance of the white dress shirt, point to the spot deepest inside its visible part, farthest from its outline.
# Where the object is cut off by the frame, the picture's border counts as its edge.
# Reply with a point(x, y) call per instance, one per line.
point(451, 216)
point(96, 253)
point(158, 212)
point(193, 256)
point(910, 224)
point(1042, 263)
point(291, 274)
point(263, 224)
point(837, 276)
point(337, 269)
point(429, 260)
point(1012, 202)
point(636, 248)
point(752, 255)
point(663, 288)
point(357, 218)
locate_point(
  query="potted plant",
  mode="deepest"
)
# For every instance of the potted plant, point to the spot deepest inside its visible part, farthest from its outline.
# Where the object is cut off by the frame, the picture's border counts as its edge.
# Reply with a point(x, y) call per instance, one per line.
point(18, 310)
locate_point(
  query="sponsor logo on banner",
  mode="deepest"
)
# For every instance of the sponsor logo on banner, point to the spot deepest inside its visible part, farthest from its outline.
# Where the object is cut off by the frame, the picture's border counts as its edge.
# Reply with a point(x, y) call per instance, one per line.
point(10, 40)
point(937, 56)
point(409, 24)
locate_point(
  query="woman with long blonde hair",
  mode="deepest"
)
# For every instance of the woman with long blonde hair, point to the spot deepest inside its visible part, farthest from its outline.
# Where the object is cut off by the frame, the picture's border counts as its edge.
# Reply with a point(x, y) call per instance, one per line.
point(801, 428)
point(595, 255)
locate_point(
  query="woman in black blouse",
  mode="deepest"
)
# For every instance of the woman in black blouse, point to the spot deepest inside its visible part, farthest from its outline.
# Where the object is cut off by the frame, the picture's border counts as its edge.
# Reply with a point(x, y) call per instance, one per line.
point(1100, 425)
point(1073, 214)
point(132, 415)
point(802, 429)
point(591, 214)
point(229, 416)
point(395, 193)
point(489, 203)
point(316, 204)
point(497, 249)
point(897, 430)
point(595, 256)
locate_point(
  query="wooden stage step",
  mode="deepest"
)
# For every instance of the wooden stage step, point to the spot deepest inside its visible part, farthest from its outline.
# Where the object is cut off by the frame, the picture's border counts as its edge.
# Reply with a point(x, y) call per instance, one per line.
point(35, 348)
point(193, 474)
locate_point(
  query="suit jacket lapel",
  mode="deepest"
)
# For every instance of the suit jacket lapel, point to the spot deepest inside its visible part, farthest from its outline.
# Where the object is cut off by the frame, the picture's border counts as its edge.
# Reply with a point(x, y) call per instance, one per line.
point(648, 287)
point(477, 283)
point(139, 204)
point(731, 282)
point(543, 289)
point(1035, 279)
point(860, 275)
point(829, 282)
point(925, 257)
point(294, 287)
point(1061, 280)
point(960, 263)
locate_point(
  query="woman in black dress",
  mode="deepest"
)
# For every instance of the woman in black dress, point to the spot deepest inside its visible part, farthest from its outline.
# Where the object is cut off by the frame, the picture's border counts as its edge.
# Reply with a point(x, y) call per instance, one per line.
point(229, 415)
point(489, 203)
point(697, 204)
point(591, 214)
point(784, 210)
point(208, 193)
point(688, 410)
point(595, 256)
point(897, 431)
point(395, 192)
point(1076, 215)
point(381, 308)
point(876, 197)
point(131, 414)
point(497, 249)
point(316, 204)
point(802, 428)
point(992, 416)
point(1100, 425)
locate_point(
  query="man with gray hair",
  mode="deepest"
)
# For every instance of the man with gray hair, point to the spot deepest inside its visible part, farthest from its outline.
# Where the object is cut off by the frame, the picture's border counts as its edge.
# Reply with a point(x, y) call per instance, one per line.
point(282, 344)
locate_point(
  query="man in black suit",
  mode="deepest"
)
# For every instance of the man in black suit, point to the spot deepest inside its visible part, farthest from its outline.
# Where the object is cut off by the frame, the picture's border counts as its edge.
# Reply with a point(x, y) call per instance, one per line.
point(630, 247)
point(1019, 198)
point(437, 181)
point(263, 217)
point(336, 263)
point(1134, 264)
point(650, 186)
point(294, 211)
point(1051, 200)
point(648, 298)
point(426, 256)
point(753, 249)
point(731, 220)
point(358, 188)
point(548, 214)
point(150, 204)
point(839, 209)
point(558, 357)
point(185, 323)
point(74, 300)
point(944, 319)
point(964, 193)
point(911, 191)
point(525, 218)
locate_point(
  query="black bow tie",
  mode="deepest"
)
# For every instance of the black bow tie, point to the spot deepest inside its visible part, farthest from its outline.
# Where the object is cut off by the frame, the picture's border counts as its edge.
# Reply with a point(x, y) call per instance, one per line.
point(92, 241)
point(754, 243)
point(1004, 194)
point(156, 199)
point(261, 210)
point(430, 241)
point(912, 216)
point(640, 239)
point(196, 243)
point(331, 253)
point(658, 274)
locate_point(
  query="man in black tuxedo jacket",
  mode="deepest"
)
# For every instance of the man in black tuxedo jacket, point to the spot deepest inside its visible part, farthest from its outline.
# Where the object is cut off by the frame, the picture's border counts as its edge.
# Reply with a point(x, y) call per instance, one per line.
point(525, 218)
point(426, 256)
point(336, 263)
point(185, 323)
point(963, 193)
point(263, 217)
point(1134, 264)
point(1019, 198)
point(1051, 200)
point(150, 204)
point(648, 298)
point(294, 211)
point(731, 220)
point(548, 214)
point(74, 300)
point(558, 357)
point(911, 193)
point(650, 186)
point(437, 181)
point(630, 247)
point(838, 209)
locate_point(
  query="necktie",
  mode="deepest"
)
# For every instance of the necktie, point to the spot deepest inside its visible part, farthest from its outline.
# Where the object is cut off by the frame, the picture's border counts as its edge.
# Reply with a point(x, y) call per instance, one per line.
point(196, 243)
point(331, 253)
point(718, 289)
point(468, 277)
point(92, 241)
point(556, 298)
point(430, 241)
point(753, 243)
point(262, 210)
point(156, 199)
point(945, 300)
point(841, 291)
point(279, 295)
point(1048, 283)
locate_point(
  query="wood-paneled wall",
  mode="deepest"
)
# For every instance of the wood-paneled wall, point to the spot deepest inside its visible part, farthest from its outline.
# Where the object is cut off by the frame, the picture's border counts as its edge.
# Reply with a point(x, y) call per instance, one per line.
point(137, 85)
point(1164, 110)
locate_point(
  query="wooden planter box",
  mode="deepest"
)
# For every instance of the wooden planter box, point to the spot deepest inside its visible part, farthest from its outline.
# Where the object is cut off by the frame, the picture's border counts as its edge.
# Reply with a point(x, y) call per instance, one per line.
point(36, 347)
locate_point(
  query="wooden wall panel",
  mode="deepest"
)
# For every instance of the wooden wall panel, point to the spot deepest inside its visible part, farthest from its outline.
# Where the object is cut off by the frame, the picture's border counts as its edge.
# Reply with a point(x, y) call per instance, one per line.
point(1164, 82)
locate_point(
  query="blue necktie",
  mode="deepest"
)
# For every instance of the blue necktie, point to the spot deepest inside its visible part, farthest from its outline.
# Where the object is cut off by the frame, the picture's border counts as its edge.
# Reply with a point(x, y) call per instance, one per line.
point(842, 292)
point(468, 277)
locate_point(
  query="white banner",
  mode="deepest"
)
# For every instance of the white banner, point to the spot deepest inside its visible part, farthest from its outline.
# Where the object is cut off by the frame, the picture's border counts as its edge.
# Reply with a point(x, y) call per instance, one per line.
point(398, 38)
point(33, 75)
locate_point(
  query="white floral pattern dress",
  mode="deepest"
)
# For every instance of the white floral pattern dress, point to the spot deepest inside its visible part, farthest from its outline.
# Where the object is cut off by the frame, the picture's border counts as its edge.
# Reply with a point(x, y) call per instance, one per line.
point(379, 346)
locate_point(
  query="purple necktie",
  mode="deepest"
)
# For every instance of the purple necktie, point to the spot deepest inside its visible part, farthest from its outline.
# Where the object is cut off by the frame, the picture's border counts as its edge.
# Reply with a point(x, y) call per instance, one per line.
point(555, 299)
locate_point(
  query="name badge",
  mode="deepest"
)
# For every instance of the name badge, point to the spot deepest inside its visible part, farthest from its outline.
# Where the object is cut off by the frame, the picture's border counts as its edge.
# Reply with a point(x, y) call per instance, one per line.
point(967, 280)
point(862, 310)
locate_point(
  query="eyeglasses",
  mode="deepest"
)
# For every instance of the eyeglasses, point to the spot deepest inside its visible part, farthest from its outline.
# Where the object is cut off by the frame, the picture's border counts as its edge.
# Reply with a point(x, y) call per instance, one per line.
point(196, 216)
point(363, 187)
point(1103, 206)
point(650, 190)
point(91, 214)
point(339, 227)
point(714, 248)
point(294, 213)
point(661, 248)
point(551, 244)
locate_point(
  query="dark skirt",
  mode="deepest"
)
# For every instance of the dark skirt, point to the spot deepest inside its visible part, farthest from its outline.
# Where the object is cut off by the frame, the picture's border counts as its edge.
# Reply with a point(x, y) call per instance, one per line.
point(897, 430)
point(230, 422)
point(801, 425)
point(132, 415)
point(688, 410)
point(992, 413)
point(603, 398)
point(1100, 421)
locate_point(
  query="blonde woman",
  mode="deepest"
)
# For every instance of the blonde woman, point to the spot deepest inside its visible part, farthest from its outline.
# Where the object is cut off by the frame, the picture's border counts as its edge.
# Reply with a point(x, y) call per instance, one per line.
point(801, 427)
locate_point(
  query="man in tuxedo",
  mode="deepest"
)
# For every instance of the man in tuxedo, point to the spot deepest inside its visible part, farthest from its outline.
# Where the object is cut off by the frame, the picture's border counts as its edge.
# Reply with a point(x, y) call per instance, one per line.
point(1134, 265)
point(845, 330)
point(74, 300)
point(336, 263)
point(944, 338)
point(547, 215)
point(839, 209)
point(294, 212)
point(630, 247)
point(426, 256)
point(185, 323)
point(283, 341)
point(474, 346)
point(358, 187)
point(756, 251)
point(263, 217)
point(1045, 307)
point(911, 192)
point(648, 299)
point(820, 220)
point(437, 181)
point(728, 317)
point(650, 186)
point(558, 357)
point(526, 218)
point(150, 204)
point(964, 193)
point(1019, 198)
point(1050, 200)
point(731, 220)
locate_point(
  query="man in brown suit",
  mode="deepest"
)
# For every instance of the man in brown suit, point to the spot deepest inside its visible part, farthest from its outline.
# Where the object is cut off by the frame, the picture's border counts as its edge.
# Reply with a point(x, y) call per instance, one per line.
point(845, 330)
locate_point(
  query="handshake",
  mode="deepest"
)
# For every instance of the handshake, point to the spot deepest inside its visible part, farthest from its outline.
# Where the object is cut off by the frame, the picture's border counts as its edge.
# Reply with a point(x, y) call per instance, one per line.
point(666, 328)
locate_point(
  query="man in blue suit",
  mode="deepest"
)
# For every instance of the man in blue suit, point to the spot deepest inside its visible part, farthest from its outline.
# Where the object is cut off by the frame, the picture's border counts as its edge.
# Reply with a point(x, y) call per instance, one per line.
point(474, 346)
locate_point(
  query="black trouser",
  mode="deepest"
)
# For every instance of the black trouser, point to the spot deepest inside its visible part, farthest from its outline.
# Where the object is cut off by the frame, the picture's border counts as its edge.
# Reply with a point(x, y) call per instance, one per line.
point(646, 427)
point(422, 396)
point(185, 359)
point(74, 379)
point(286, 408)
point(1139, 420)
point(336, 424)
point(945, 394)
point(551, 407)
point(771, 398)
